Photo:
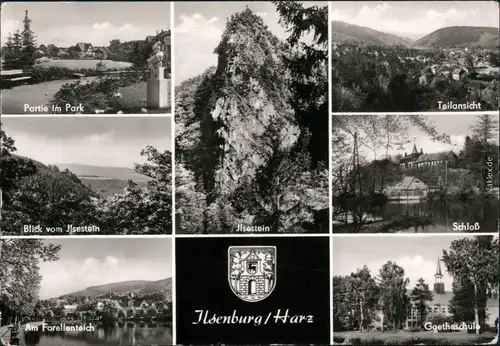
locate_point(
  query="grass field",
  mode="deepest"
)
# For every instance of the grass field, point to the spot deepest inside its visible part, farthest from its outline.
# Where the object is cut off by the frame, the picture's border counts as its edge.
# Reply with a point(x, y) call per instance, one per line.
point(78, 64)
point(410, 338)
point(13, 100)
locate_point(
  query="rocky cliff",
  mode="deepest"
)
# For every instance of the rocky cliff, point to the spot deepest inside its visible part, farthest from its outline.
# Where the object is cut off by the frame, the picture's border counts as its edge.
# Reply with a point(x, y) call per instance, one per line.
point(235, 127)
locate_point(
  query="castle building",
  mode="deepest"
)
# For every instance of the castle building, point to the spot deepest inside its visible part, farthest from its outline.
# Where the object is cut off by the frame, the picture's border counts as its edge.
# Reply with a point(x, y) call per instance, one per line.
point(440, 304)
point(417, 159)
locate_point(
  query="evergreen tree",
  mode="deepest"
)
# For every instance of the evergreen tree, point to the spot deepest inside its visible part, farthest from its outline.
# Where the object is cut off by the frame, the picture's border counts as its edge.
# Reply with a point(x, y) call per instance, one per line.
point(28, 44)
point(462, 303)
point(12, 58)
point(420, 295)
point(308, 67)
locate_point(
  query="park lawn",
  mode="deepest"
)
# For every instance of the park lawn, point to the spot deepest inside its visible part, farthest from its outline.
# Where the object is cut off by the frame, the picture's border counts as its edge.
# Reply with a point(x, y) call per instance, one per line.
point(84, 64)
point(13, 100)
point(451, 338)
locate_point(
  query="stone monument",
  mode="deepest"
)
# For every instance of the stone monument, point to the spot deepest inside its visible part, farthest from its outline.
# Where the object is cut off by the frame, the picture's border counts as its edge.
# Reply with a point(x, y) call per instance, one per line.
point(158, 87)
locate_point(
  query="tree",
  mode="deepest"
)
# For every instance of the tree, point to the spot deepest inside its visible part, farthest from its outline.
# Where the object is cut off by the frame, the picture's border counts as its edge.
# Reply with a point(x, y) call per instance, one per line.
point(29, 43)
point(364, 294)
point(474, 260)
point(110, 312)
point(20, 275)
point(20, 49)
point(485, 128)
point(49, 314)
point(494, 59)
point(13, 168)
point(343, 305)
point(420, 295)
point(152, 311)
point(13, 52)
point(189, 203)
point(309, 79)
point(142, 209)
point(9, 53)
point(141, 312)
point(158, 192)
point(462, 303)
point(393, 298)
point(59, 312)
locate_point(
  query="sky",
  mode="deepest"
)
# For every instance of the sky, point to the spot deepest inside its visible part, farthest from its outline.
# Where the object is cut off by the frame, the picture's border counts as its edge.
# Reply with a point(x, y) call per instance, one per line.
point(415, 19)
point(95, 141)
point(199, 27)
point(416, 254)
point(455, 125)
point(67, 23)
point(89, 262)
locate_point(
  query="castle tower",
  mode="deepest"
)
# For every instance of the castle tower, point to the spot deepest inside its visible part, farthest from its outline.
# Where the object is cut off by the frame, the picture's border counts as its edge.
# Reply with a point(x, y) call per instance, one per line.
point(438, 283)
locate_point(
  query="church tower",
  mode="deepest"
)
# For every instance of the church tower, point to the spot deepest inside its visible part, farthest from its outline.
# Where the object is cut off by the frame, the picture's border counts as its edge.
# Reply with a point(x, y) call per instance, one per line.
point(414, 151)
point(438, 282)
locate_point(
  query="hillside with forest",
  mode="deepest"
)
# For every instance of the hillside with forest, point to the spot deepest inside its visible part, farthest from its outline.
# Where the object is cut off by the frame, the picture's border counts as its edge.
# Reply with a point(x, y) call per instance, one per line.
point(136, 286)
point(452, 36)
point(344, 32)
point(461, 36)
point(43, 195)
point(251, 135)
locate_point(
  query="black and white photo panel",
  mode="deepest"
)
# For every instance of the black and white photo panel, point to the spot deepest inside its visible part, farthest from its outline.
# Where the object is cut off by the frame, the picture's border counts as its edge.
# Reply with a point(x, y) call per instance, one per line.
point(96, 58)
point(251, 117)
point(414, 56)
point(86, 291)
point(241, 290)
point(86, 176)
point(415, 290)
point(405, 173)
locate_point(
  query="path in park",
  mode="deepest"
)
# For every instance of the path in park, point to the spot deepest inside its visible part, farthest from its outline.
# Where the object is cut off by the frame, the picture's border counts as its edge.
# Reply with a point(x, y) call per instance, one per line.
point(13, 100)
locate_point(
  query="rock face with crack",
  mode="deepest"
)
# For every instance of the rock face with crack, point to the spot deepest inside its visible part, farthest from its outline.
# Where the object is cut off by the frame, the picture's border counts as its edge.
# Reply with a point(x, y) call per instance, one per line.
point(235, 126)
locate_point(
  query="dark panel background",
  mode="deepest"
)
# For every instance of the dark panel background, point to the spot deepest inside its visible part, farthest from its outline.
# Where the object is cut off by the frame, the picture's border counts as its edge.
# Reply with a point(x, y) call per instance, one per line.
point(302, 285)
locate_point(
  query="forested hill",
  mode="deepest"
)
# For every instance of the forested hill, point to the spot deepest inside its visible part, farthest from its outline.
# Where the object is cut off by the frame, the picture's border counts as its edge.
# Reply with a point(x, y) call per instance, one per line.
point(461, 36)
point(239, 143)
point(349, 33)
point(52, 180)
point(135, 286)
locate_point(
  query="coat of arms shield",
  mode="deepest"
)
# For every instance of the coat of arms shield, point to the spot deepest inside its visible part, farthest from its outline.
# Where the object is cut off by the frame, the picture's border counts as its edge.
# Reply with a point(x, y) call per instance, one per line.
point(252, 271)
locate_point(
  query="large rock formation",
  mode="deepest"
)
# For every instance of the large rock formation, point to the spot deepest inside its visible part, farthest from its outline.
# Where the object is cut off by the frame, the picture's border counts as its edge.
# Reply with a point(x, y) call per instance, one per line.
point(234, 124)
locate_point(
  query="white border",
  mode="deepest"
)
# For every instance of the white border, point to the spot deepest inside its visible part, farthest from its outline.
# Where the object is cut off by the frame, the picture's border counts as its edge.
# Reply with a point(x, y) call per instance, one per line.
point(173, 236)
point(105, 116)
point(210, 236)
point(330, 167)
point(172, 135)
point(254, 235)
point(417, 113)
point(412, 235)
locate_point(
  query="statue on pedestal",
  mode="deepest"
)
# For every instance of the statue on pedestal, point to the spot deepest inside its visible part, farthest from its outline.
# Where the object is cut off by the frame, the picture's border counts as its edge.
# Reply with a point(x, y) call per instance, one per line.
point(158, 87)
point(155, 62)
